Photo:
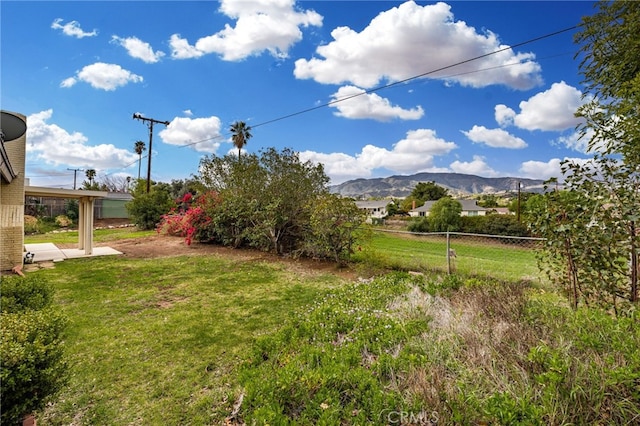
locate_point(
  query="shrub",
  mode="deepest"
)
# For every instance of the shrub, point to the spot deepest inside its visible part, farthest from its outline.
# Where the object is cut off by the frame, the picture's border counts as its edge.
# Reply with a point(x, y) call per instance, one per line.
point(31, 351)
point(146, 209)
point(72, 209)
point(30, 224)
point(494, 224)
point(419, 225)
point(63, 221)
point(22, 294)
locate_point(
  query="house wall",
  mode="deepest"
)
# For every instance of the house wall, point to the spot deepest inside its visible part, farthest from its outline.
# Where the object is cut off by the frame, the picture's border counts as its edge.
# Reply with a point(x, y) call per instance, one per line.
point(111, 209)
point(12, 206)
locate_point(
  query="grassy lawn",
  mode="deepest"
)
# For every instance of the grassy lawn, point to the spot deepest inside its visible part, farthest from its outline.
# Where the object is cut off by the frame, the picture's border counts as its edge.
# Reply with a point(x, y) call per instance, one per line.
point(181, 340)
point(155, 341)
point(474, 256)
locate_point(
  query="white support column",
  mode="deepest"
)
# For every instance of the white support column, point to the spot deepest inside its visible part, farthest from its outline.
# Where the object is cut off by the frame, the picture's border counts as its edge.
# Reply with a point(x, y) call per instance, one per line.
point(88, 225)
point(81, 208)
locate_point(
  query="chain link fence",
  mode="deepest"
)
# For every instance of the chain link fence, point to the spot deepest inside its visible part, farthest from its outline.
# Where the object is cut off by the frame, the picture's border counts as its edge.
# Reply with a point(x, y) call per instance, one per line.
point(496, 256)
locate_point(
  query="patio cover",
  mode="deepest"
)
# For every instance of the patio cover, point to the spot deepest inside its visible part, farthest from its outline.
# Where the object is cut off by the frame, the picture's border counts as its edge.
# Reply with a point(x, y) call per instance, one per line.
point(85, 209)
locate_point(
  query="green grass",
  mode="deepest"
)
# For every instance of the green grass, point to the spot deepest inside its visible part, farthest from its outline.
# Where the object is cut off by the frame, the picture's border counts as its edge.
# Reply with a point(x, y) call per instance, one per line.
point(99, 236)
point(156, 341)
point(474, 256)
point(180, 340)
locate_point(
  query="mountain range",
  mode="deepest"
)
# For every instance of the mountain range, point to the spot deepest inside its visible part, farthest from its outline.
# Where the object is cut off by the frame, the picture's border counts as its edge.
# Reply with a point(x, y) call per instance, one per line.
point(458, 185)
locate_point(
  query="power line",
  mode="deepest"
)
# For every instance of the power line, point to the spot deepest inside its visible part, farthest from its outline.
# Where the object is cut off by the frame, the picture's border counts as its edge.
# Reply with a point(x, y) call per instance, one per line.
point(393, 84)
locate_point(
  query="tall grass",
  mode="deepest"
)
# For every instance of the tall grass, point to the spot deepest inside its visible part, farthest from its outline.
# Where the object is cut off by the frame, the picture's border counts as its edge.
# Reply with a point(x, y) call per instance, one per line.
point(452, 351)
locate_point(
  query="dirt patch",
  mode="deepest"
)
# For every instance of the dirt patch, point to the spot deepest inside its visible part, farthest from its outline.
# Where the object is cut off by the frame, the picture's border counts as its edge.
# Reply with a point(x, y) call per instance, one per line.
point(166, 246)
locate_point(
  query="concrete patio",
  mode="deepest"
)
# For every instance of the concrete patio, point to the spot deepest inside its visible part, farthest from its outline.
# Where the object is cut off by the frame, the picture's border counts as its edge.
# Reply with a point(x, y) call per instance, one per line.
point(46, 252)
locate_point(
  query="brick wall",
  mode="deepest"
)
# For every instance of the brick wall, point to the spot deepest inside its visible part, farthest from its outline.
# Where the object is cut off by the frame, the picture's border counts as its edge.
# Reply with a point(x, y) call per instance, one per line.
point(12, 206)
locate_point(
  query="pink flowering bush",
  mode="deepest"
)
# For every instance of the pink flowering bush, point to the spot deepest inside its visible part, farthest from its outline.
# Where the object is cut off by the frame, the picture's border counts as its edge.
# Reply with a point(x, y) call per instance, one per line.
point(192, 218)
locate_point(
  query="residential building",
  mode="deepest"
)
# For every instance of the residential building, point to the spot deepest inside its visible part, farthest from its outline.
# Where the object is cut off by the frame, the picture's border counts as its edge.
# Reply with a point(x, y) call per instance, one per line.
point(469, 208)
point(376, 209)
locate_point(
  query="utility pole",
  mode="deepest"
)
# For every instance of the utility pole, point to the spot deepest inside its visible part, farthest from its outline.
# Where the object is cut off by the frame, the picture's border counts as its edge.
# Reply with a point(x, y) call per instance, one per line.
point(518, 212)
point(75, 172)
point(150, 121)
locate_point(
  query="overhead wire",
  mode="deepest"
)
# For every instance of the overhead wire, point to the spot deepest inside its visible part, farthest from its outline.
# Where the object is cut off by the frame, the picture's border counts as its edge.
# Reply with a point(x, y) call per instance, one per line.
point(403, 81)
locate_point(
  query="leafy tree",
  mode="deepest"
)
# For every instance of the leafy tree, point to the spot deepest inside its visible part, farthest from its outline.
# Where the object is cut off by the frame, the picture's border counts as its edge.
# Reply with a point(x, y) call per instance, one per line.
point(445, 215)
point(265, 198)
point(393, 208)
point(240, 135)
point(147, 208)
point(334, 224)
point(428, 191)
point(513, 204)
point(593, 226)
point(139, 147)
point(488, 201)
point(408, 203)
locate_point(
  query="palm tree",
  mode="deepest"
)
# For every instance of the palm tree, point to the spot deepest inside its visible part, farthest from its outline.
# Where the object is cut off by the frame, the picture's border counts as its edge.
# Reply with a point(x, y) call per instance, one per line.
point(240, 135)
point(91, 174)
point(139, 148)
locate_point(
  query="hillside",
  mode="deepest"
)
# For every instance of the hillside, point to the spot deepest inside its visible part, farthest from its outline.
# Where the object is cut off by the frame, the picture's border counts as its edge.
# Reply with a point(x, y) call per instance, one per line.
point(458, 184)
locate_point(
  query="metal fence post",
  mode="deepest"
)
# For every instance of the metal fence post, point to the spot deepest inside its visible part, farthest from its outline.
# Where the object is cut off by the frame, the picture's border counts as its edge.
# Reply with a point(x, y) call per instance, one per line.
point(448, 254)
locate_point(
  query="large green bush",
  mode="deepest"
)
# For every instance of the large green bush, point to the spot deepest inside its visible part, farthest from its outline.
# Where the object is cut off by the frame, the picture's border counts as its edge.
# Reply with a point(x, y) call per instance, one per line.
point(147, 208)
point(31, 350)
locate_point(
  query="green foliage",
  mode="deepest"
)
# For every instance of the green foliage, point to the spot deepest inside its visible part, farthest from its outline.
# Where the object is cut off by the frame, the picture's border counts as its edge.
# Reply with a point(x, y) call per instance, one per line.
point(31, 350)
point(593, 246)
point(428, 191)
point(71, 209)
point(240, 135)
point(30, 224)
point(333, 228)
point(21, 294)
point(421, 224)
point(334, 363)
point(489, 201)
point(146, 209)
point(445, 215)
point(494, 224)
point(610, 65)
point(267, 199)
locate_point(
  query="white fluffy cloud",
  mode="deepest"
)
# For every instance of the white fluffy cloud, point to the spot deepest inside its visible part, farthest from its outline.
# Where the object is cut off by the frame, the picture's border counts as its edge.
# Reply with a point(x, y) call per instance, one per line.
point(496, 138)
point(138, 49)
point(413, 154)
point(72, 29)
point(545, 170)
point(57, 146)
point(359, 105)
point(202, 134)
point(261, 25)
point(476, 167)
point(551, 110)
point(410, 40)
point(103, 76)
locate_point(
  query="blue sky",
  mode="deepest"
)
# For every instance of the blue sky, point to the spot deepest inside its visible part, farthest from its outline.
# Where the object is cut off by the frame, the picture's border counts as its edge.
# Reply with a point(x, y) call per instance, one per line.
point(79, 70)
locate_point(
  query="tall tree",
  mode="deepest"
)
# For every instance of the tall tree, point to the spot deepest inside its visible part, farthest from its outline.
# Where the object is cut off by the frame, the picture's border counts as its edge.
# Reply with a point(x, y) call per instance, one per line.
point(594, 229)
point(445, 215)
point(91, 175)
point(139, 147)
point(428, 191)
point(240, 135)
